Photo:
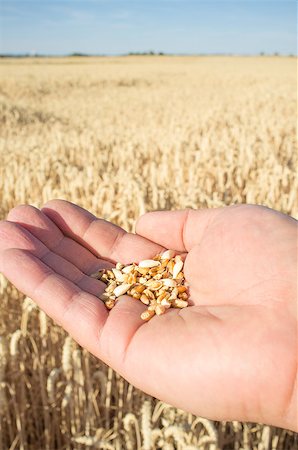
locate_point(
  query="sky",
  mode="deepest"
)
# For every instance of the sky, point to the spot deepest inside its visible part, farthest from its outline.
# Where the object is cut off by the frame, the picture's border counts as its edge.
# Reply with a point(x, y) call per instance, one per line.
point(110, 27)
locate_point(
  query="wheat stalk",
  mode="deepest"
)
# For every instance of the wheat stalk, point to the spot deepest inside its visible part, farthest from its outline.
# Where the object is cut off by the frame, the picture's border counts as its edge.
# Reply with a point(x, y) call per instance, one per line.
point(96, 441)
point(67, 356)
point(51, 383)
point(3, 284)
point(3, 364)
point(28, 306)
point(43, 324)
point(177, 433)
point(146, 427)
point(130, 421)
point(165, 155)
point(14, 343)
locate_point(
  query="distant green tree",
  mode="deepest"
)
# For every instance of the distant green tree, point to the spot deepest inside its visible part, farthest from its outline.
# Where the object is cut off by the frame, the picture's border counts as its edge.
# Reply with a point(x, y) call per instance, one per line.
point(78, 54)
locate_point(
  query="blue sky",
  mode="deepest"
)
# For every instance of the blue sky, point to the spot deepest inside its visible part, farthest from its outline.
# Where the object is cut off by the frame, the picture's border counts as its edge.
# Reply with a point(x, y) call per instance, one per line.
point(172, 26)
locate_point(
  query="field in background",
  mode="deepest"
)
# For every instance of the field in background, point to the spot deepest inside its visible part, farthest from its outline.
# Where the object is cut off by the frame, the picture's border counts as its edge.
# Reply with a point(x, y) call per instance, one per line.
point(121, 136)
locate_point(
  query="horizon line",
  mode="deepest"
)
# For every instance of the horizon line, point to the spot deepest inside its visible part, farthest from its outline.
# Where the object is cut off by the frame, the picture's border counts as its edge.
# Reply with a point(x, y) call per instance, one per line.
point(144, 53)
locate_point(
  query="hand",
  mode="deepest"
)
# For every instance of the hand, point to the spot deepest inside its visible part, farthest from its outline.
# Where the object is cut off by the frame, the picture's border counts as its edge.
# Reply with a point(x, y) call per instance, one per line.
point(232, 355)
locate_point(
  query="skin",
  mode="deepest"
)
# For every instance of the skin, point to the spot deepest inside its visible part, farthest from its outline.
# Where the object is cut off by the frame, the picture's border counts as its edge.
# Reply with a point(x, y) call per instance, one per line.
point(232, 355)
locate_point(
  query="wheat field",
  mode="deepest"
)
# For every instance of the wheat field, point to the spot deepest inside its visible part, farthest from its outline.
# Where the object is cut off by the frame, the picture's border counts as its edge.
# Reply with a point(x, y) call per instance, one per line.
point(122, 136)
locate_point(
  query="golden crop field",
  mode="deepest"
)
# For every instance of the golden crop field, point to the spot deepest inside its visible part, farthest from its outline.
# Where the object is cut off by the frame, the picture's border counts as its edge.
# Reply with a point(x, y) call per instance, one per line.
point(121, 136)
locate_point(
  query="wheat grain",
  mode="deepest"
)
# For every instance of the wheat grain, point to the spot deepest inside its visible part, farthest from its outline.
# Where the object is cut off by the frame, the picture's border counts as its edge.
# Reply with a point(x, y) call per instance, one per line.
point(142, 281)
point(122, 289)
point(148, 263)
point(167, 254)
point(169, 282)
point(177, 268)
point(148, 314)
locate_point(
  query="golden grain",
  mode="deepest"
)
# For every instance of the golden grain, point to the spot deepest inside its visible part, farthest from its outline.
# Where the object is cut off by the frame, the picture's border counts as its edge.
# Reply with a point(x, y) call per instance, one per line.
point(167, 254)
point(122, 289)
point(148, 314)
point(151, 292)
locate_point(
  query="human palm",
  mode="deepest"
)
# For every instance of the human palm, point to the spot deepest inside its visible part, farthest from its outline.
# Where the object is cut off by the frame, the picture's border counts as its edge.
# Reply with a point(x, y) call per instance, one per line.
point(230, 355)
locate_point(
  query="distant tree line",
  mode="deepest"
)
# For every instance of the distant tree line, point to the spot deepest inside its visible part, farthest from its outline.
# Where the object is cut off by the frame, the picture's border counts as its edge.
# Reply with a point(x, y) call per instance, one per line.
point(150, 53)
point(145, 53)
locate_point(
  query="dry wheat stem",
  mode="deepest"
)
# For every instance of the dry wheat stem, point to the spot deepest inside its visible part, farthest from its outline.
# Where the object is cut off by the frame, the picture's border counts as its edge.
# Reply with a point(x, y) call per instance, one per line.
point(191, 132)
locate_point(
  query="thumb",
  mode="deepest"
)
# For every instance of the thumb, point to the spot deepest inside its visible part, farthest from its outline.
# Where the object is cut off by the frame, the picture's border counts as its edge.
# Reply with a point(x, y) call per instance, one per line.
point(178, 230)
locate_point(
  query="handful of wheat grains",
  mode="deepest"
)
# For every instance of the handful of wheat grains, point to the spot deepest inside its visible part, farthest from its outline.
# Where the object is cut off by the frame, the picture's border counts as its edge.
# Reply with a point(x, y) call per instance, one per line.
point(159, 283)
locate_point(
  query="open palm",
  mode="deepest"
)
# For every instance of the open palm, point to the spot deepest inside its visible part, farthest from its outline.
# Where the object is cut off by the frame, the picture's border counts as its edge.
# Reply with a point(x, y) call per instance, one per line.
point(231, 355)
